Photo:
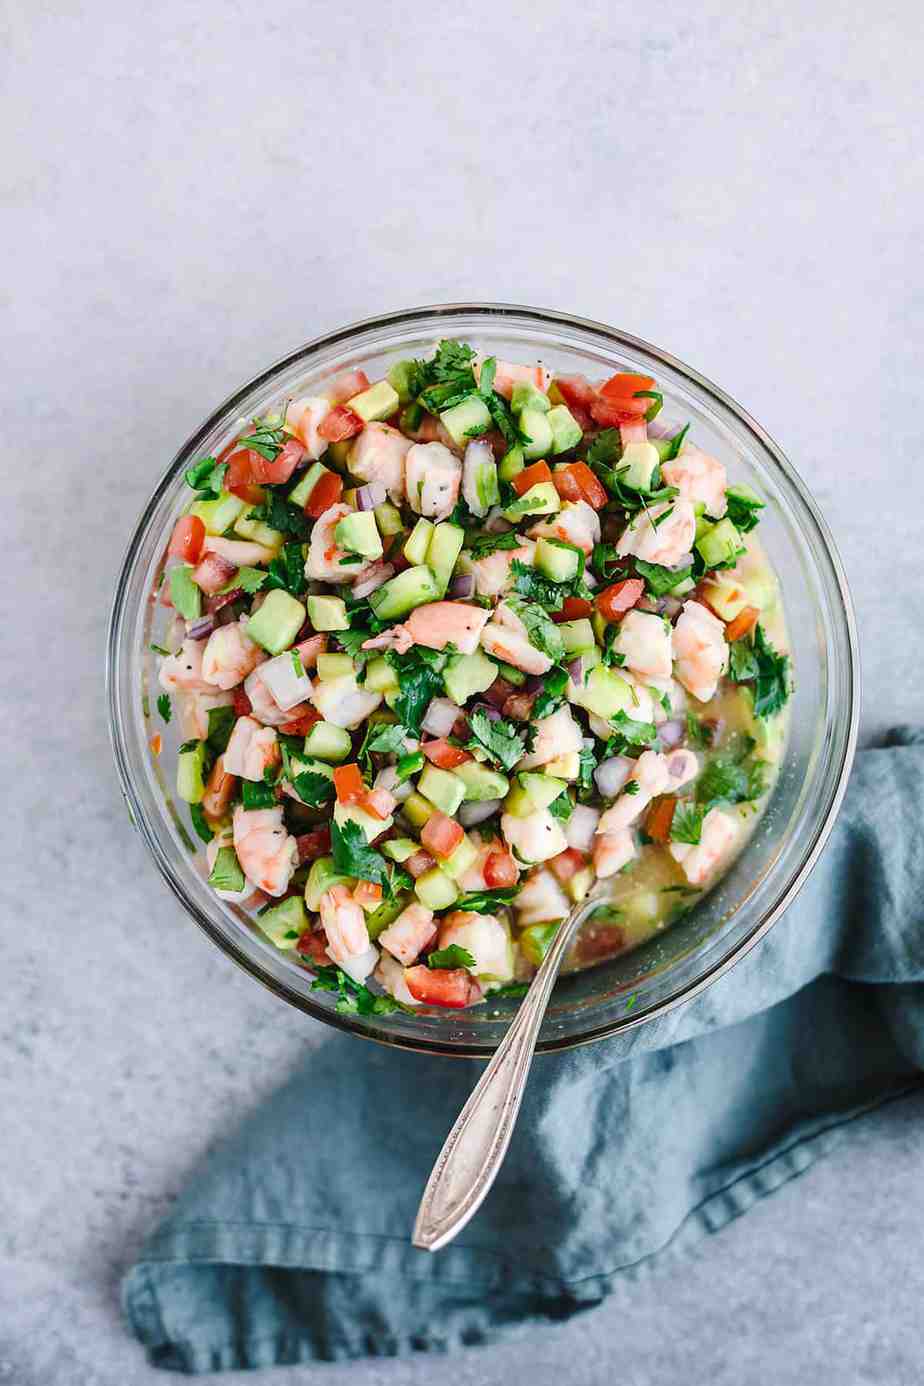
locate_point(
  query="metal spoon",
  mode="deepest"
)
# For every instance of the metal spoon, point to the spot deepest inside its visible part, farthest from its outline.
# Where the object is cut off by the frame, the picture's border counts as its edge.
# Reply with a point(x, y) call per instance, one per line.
point(475, 1148)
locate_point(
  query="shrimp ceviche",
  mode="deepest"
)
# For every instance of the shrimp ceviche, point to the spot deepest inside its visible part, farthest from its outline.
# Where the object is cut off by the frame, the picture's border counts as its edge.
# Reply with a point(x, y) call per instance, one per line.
point(449, 647)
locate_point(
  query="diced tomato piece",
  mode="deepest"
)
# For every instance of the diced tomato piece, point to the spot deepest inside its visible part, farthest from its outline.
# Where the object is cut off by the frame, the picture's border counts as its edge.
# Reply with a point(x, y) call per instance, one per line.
point(592, 490)
point(308, 650)
point(634, 432)
point(248, 469)
point(742, 624)
point(444, 755)
point(500, 869)
point(623, 388)
point(531, 476)
point(302, 724)
point(284, 463)
point(313, 945)
point(212, 573)
point(340, 423)
point(613, 602)
point(419, 863)
point(566, 484)
point(379, 803)
point(567, 864)
point(314, 844)
point(345, 385)
point(367, 894)
point(156, 743)
point(519, 706)
point(326, 492)
point(441, 835)
point(245, 468)
point(573, 609)
point(660, 817)
point(187, 539)
point(575, 390)
point(498, 693)
point(348, 782)
point(451, 987)
point(242, 705)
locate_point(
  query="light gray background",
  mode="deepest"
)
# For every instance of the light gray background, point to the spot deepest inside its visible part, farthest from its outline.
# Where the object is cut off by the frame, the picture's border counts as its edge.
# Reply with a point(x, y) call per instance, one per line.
point(189, 191)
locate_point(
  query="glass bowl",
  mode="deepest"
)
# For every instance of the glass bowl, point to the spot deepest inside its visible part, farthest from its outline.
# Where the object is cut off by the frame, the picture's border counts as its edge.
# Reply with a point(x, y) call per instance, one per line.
point(680, 962)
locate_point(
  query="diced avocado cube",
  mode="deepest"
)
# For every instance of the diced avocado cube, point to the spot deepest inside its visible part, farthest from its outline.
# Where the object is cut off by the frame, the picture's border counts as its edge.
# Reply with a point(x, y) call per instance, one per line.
point(466, 675)
point(720, 544)
point(556, 561)
point(226, 874)
point(359, 533)
point(603, 693)
point(726, 596)
point(577, 636)
point(436, 890)
point(511, 464)
point(442, 788)
point(301, 492)
point(541, 499)
point(378, 402)
point(386, 913)
point(536, 426)
point(481, 783)
point(641, 460)
point(566, 431)
point(284, 923)
point(334, 666)
point(380, 676)
point(277, 622)
point(460, 859)
point(337, 455)
point(218, 515)
point(400, 848)
point(566, 767)
point(526, 396)
point(259, 533)
point(185, 595)
point(466, 420)
point(370, 824)
point(402, 378)
point(324, 741)
point(388, 518)
point(536, 941)
point(541, 789)
point(190, 781)
point(415, 548)
point(417, 810)
point(445, 546)
point(321, 877)
point(328, 613)
point(404, 592)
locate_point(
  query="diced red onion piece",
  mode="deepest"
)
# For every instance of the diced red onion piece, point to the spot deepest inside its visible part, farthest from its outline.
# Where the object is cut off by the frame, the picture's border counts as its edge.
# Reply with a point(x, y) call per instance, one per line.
point(672, 607)
point(660, 427)
point(377, 574)
point(534, 683)
point(198, 630)
point(576, 669)
point(590, 579)
point(671, 733)
point(471, 814)
point(581, 827)
point(493, 714)
point(371, 495)
point(440, 717)
point(610, 775)
point(683, 562)
point(387, 778)
point(462, 586)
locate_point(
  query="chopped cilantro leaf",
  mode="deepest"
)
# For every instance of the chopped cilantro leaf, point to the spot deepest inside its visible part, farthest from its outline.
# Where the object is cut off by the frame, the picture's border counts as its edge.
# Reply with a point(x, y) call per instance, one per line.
point(159, 649)
point(562, 807)
point(660, 580)
point(267, 438)
point(453, 956)
point(541, 632)
point(552, 694)
point(221, 724)
point(354, 857)
point(247, 579)
point(487, 901)
point(687, 824)
point(382, 737)
point(511, 989)
point(200, 822)
point(606, 448)
point(313, 789)
point(420, 676)
point(163, 706)
point(287, 571)
point(676, 443)
point(354, 998)
point(480, 545)
point(769, 670)
point(699, 734)
point(588, 762)
point(631, 787)
point(743, 505)
point(279, 514)
point(605, 561)
point(257, 795)
point(503, 742)
point(629, 733)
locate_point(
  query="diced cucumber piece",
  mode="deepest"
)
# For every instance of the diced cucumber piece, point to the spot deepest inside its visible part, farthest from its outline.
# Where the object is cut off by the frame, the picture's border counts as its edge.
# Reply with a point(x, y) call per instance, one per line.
point(380, 676)
point(218, 515)
point(599, 623)
point(436, 890)
point(284, 923)
point(511, 673)
point(577, 636)
point(402, 377)
point(415, 549)
point(466, 675)
point(417, 810)
point(557, 562)
point(481, 783)
point(328, 613)
point(442, 788)
point(190, 780)
point(511, 464)
point(641, 460)
point(536, 941)
point(334, 666)
point(327, 742)
point(719, 544)
point(526, 396)
point(404, 592)
point(579, 886)
point(226, 874)
point(445, 546)
point(386, 913)
point(370, 824)
point(466, 420)
point(388, 519)
point(301, 492)
point(603, 693)
point(400, 848)
point(566, 767)
point(378, 402)
point(532, 792)
point(185, 595)
point(359, 533)
point(536, 426)
point(541, 499)
point(747, 494)
point(277, 622)
point(259, 533)
point(321, 877)
point(566, 431)
point(459, 860)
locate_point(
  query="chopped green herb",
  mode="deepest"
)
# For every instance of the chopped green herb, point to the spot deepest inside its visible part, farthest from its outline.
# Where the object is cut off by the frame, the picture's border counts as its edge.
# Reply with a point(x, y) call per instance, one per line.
point(279, 514)
point(743, 505)
point(200, 823)
point(487, 901)
point(629, 733)
point(385, 738)
point(159, 649)
point(163, 706)
point(757, 660)
point(480, 545)
point(287, 570)
point(562, 807)
point(267, 438)
point(631, 787)
point(503, 742)
point(511, 989)
point(660, 580)
point(553, 693)
point(699, 734)
point(354, 857)
point(313, 789)
point(453, 956)
point(354, 998)
point(654, 409)
point(687, 824)
point(420, 676)
point(257, 795)
point(185, 595)
point(677, 443)
point(221, 724)
point(540, 630)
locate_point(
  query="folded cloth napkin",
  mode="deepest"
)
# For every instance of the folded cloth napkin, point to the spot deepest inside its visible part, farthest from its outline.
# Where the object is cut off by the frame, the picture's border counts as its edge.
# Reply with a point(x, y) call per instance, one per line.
point(292, 1242)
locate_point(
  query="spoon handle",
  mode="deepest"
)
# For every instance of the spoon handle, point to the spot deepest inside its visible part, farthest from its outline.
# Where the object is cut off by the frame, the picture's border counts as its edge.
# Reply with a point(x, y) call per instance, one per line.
point(475, 1148)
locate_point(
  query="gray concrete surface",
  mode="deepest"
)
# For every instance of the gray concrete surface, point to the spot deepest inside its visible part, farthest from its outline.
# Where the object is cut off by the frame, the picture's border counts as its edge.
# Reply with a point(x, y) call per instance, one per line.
point(189, 191)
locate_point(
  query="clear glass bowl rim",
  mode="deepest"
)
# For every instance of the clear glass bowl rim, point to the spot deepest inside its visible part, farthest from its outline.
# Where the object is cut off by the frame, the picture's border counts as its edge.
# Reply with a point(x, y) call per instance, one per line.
point(546, 319)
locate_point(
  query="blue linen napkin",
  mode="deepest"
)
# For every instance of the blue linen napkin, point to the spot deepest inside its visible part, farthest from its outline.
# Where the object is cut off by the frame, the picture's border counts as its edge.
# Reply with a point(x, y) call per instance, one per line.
point(292, 1242)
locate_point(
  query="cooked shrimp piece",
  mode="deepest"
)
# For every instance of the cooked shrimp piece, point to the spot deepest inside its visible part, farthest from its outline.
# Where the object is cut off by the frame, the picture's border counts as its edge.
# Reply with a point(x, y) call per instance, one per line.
point(390, 977)
point(194, 709)
point(219, 791)
point(675, 693)
point(344, 923)
point(652, 775)
point(408, 935)
point(718, 836)
point(432, 476)
point(492, 573)
point(645, 642)
point(540, 900)
point(510, 373)
point(378, 455)
point(612, 851)
point(265, 707)
point(241, 552)
point(698, 477)
point(700, 650)
point(230, 656)
point(182, 672)
point(303, 417)
point(556, 736)
point(267, 853)
point(439, 624)
point(505, 637)
point(225, 838)
point(485, 938)
point(323, 561)
point(662, 534)
point(534, 839)
point(250, 749)
point(576, 523)
point(342, 701)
